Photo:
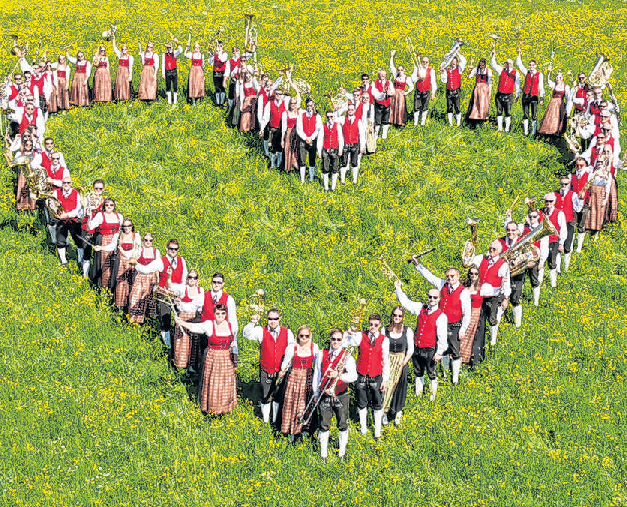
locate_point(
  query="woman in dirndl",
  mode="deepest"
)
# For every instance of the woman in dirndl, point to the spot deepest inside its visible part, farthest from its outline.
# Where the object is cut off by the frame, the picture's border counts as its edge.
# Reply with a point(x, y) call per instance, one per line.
point(246, 91)
point(289, 139)
point(398, 104)
point(217, 388)
point(467, 340)
point(554, 119)
point(298, 366)
point(401, 339)
point(148, 267)
point(196, 82)
point(480, 100)
point(107, 224)
point(62, 81)
point(79, 92)
point(102, 77)
point(51, 76)
point(127, 245)
point(124, 74)
point(148, 79)
point(24, 200)
point(189, 304)
point(601, 183)
point(606, 155)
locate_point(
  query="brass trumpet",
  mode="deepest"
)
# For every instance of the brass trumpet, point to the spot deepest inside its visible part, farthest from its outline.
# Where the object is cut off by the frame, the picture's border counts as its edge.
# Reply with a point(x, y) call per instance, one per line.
point(260, 306)
point(250, 34)
point(471, 245)
point(387, 270)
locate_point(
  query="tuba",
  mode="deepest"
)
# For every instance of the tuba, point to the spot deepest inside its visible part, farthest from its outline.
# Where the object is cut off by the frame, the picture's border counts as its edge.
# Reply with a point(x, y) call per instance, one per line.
point(250, 33)
point(524, 251)
point(448, 57)
point(600, 72)
point(469, 247)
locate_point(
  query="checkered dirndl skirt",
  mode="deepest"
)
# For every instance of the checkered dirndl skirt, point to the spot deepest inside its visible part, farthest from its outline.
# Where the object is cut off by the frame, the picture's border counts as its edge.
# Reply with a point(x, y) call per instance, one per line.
point(140, 297)
point(466, 341)
point(297, 394)
point(217, 389)
point(182, 342)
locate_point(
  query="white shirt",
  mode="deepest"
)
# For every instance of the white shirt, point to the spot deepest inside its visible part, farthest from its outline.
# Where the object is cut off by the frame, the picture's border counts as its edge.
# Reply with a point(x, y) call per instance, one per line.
point(73, 60)
point(131, 60)
point(409, 337)
point(176, 53)
point(461, 66)
point(340, 137)
point(299, 125)
point(360, 125)
point(434, 83)
point(154, 56)
point(231, 309)
point(441, 323)
point(193, 306)
point(254, 333)
point(173, 262)
point(289, 355)
point(488, 71)
point(129, 254)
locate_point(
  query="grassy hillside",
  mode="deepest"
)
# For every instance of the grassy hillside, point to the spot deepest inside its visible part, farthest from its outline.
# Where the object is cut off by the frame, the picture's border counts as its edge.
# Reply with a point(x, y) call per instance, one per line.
point(92, 414)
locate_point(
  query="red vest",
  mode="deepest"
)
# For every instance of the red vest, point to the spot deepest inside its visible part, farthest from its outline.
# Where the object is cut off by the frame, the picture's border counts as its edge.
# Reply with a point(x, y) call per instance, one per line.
point(531, 84)
point(220, 342)
point(303, 363)
point(218, 65)
point(271, 351)
point(451, 304)
point(61, 74)
point(102, 65)
point(340, 387)
point(25, 123)
point(507, 81)
point(107, 228)
point(453, 79)
point(37, 82)
point(69, 203)
point(55, 175)
point(170, 61)
point(370, 360)
point(581, 94)
point(14, 92)
point(351, 130)
point(579, 183)
point(209, 306)
point(234, 65)
point(553, 217)
point(481, 78)
point(424, 85)
point(197, 62)
point(426, 334)
point(45, 160)
point(565, 204)
point(331, 138)
point(149, 61)
point(309, 124)
point(177, 272)
point(380, 88)
point(490, 275)
point(359, 111)
point(276, 112)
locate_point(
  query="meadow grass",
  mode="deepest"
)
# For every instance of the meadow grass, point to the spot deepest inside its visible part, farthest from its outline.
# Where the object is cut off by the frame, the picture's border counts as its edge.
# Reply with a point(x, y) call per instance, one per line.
point(93, 415)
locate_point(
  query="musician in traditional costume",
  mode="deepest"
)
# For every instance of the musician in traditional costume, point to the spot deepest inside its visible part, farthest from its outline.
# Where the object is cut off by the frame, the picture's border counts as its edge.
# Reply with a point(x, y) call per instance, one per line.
point(467, 340)
point(217, 387)
point(24, 198)
point(579, 94)
point(382, 91)
point(218, 61)
point(556, 241)
point(148, 78)
point(334, 370)
point(402, 85)
point(509, 83)
point(455, 303)
point(273, 112)
point(600, 184)
point(169, 70)
point(92, 205)
point(289, 137)
point(79, 92)
point(247, 91)
point(451, 76)
point(354, 134)
point(373, 371)
point(308, 127)
point(67, 222)
point(232, 72)
point(102, 77)
point(61, 78)
point(517, 282)
point(273, 340)
point(554, 119)
point(426, 86)
point(401, 340)
point(578, 181)
point(297, 365)
point(38, 85)
point(30, 115)
point(174, 276)
point(430, 337)
point(566, 200)
point(330, 149)
point(107, 224)
point(149, 265)
point(50, 77)
point(124, 75)
point(189, 305)
point(196, 82)
point(494, 277)
point(533, 89)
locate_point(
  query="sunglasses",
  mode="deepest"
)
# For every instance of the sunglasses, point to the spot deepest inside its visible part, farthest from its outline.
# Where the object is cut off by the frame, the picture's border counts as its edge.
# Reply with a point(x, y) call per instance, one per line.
point(273, 318)
point(192, 277)
point(173, 248)
point(472, 273)
point(336, 339)
point(374, 324)
point(148, 240)
point(433, 297)
point(219, 282)
point(303, 336)
point(397, 315)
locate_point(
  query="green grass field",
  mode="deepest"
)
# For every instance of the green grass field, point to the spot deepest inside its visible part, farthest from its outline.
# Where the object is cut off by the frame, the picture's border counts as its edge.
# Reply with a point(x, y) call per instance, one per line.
point(91, 413)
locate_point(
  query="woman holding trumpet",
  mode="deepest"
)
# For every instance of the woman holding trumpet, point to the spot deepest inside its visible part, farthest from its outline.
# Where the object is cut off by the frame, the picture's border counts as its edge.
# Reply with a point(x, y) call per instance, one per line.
point(298, 366)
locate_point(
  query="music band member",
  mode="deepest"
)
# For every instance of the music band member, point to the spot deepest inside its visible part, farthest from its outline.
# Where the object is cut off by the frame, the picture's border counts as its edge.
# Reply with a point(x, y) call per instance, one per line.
point(430, 337)
point(578, 181)
point(426, 86)
point(451, 76)
point(455, 303)
point(508, 83)
point(169, 71)
point(272, 116)
point(67, 222)
point(533, 88)
point(556, 241)
point(354, 134)
point(147, 89)
point(566, 200)
point(495, 289)
point(218, 60)
point(308, 127)
point(381, 91)
point(373, 370)
point(331, 364)
point(273, 340)
point(196, 79)
point(92, 205)
point(330, 149)
point(174, 274)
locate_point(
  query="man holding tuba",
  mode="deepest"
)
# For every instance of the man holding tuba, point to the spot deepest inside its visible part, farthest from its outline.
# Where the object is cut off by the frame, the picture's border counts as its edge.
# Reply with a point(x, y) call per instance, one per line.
point(334, 369)
point(455, 303)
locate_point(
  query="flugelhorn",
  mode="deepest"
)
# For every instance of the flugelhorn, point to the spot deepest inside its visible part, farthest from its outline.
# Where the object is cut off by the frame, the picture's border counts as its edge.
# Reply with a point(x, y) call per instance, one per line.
point(250, 33)
point(260, 306)
point(412, 51)
point(418, 255)
point(358, 315)
point(448, 57)
point(494, 38)
point(470, 246)
point(213, 40)
point(531, 203)
point(387, 270)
